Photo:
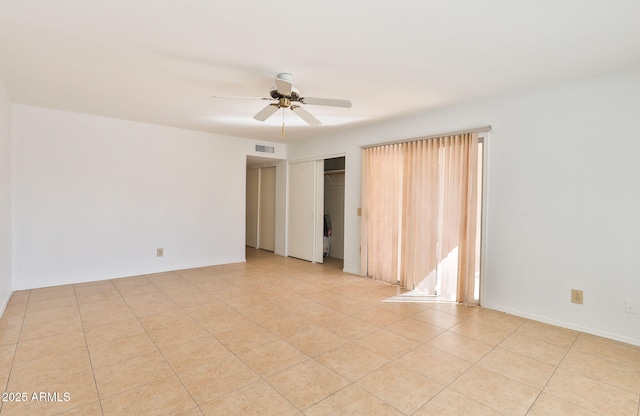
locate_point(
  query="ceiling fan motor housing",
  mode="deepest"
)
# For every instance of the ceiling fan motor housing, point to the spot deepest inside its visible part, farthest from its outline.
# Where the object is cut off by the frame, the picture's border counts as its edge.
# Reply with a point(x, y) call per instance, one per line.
point(295, 94)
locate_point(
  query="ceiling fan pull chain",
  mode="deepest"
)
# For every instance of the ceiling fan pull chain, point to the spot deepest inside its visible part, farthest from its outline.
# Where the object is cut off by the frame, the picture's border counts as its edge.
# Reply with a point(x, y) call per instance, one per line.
point(283, 122)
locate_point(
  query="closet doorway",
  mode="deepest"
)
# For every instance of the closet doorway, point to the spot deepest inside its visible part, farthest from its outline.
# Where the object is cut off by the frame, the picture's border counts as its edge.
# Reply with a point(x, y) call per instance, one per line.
point(260, 226)
point(315, 227)
point(334, 180)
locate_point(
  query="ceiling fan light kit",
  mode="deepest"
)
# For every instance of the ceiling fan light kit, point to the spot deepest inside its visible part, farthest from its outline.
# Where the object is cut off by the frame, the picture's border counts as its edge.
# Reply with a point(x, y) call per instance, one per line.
point(285, 95)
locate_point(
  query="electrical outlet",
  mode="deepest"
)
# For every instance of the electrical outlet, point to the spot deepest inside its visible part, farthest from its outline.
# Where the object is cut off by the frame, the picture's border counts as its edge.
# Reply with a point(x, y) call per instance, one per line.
point(631, 306)
point(577, 296)
point(159, 252)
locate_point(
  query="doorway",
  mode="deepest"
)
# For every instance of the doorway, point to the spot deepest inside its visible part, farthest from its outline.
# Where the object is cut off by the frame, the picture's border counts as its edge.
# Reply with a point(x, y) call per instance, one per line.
point(334, 186)
point(261, 204)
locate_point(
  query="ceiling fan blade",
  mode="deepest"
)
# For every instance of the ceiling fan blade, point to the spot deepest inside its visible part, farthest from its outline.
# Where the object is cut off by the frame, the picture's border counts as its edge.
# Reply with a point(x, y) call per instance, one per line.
point(332, 102)
point(305, 115)
point(283, 85)
point(242, 98)
point(266, 112)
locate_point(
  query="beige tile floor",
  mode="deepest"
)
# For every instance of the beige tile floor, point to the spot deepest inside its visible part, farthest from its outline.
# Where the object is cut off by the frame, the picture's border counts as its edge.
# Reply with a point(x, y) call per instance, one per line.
point(278, 336)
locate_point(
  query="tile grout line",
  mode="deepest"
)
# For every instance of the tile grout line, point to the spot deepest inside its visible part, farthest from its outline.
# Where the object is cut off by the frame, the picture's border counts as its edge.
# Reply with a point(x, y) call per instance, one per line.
point(571, 348)
point(214, 337)
point(84, 335)
point(15, 351)
point(140, 323)
point(543, 387)
point(555, 370)
point(586, 335)
point(263, 378)
point(156, 345)
point(354, 383)
point(476, 362)
point(309, 358)
point(595, 356)
point(420, 344)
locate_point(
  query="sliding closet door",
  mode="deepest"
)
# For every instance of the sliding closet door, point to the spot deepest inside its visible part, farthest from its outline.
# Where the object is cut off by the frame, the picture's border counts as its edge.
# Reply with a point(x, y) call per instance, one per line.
point(251, 224)
point(305, 216)
point(267, 212)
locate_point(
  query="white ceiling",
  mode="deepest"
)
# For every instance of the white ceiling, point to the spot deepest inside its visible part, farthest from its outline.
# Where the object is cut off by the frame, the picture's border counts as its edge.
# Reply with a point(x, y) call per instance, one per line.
point(161, 61)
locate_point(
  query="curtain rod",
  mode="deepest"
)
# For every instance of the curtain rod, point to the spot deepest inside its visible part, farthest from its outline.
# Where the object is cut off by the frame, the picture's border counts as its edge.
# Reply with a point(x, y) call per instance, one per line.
point(433, 136)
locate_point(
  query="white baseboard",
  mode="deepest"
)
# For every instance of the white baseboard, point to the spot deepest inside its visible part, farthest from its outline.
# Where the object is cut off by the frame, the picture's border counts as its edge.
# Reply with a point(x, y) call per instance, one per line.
point(351, 271)
point(562, 324)
point(109, 276)
point(4, 304)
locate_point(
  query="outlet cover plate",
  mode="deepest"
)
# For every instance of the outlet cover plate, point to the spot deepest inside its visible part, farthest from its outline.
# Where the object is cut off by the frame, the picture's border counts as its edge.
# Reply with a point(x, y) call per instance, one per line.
point(577, 296)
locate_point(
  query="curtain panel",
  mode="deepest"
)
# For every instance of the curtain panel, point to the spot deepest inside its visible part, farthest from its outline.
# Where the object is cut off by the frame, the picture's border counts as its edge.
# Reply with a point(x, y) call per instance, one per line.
point(419, 214)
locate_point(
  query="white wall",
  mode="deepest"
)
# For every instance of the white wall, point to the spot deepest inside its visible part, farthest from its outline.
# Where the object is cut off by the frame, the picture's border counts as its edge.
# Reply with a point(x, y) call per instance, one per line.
point(563, 198)
point(94, 197)
point(5, 197)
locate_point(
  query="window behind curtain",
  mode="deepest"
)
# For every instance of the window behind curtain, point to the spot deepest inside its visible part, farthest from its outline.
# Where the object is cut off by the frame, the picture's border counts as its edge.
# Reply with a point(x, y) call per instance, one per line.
point(420, 214)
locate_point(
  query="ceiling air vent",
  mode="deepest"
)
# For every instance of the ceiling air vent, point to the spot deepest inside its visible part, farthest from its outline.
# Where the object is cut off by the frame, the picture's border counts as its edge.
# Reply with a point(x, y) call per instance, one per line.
point(264, 149)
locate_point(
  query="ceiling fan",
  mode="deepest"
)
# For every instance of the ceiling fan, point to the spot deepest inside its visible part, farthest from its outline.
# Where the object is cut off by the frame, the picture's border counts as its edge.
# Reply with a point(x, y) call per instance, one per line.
point(284, 95)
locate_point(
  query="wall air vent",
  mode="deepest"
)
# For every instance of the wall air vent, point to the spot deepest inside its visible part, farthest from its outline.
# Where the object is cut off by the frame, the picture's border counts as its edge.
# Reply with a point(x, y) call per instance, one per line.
point(264, 149)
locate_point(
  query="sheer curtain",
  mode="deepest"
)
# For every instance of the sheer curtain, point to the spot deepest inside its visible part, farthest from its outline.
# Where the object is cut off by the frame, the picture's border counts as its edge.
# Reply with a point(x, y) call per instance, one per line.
point(383, 189)
point(419, 214)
